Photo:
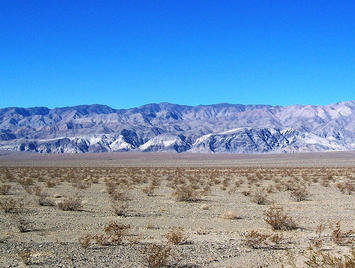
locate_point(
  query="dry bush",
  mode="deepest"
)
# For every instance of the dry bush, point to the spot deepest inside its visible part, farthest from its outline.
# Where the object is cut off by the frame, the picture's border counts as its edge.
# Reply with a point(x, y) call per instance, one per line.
point(26, 181)
point(176, 236)
point(149, 190)
point(260, 198)
point(101, 240)
point(318, 240)
point(270, 189)
point(115, 232)
point(299, 194)
point(278, 220)
point(70, 204)
point(256, 239)
point(22, 224)
point(84, 241)
point(83, 185)
point(45, 201)
point(342, 238)
point(346, 187)
point(229, 215)
point(8, 176)
point(119, 207)
point(38, 191)
point(10, 205)
point(5, 189)
point(186, 193)
point(25, 256)
point(317, 258)
point(51, 183)
point(155, 256)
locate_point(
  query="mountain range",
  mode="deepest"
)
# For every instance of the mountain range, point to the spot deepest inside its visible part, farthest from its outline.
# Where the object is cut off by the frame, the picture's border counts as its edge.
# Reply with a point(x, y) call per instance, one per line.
point(217, 128)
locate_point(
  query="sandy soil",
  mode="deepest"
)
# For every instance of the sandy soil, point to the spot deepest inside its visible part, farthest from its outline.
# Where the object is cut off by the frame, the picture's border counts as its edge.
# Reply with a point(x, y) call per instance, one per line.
point(215, 225)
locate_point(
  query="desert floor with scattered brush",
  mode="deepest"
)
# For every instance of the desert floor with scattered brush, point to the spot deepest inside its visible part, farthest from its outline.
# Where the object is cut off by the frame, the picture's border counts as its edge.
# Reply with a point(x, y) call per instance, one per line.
point(177, 210)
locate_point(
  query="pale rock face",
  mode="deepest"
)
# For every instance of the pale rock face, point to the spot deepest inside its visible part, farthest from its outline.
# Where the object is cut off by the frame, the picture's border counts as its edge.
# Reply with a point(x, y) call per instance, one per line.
point(219, 128)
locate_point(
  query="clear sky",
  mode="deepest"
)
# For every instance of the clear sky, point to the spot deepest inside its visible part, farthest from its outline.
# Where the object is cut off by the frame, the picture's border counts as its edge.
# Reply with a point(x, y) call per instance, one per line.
point(128, 53)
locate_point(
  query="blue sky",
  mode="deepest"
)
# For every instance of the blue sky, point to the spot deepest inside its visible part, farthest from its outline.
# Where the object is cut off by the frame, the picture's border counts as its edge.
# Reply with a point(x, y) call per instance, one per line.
point(129, 53)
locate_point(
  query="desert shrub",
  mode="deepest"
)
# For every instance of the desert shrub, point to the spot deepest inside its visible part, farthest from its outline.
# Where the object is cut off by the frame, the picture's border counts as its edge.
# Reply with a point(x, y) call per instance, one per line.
point(84, 241)
point(278, 220)
point(51, 183)
point(260, 198)
point(346, 187)
point(110, 187)
point(256, 239)
point(119, 207)
point(10, 205)
point(101, 240)
point(300, 194)
point(5, 189)
point(186, 193)
point(45, 201)
point(22, 224)
point(38, 191)
point(317, 258)
point(83, 184)
point(149, 190)
point(115, 232)
point(26, 181)
point(8, 176)
point(70, 204)
point(176, 236)
point(25, 256)
point(229, 215)
point(340, 237)
point(155, 256)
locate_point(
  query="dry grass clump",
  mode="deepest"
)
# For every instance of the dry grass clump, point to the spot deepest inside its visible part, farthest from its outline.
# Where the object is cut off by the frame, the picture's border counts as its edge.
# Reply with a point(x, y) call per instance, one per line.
point(278, 220)
point(256, 240)
point(176, 236)
point(155, 256)
point(70, 204)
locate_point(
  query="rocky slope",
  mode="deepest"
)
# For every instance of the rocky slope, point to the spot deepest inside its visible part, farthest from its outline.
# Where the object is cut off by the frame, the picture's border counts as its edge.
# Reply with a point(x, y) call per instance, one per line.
point(219, 128)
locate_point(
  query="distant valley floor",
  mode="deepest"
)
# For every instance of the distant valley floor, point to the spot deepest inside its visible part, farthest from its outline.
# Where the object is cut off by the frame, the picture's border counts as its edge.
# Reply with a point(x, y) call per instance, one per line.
point(132, 159)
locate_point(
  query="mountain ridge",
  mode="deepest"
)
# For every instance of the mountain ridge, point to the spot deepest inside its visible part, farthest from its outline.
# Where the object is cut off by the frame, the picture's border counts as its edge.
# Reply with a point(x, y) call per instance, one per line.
point(232, 128)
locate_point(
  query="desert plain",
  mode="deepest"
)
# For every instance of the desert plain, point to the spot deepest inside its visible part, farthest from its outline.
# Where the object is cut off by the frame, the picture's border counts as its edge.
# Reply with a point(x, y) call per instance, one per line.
point(177, 210)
